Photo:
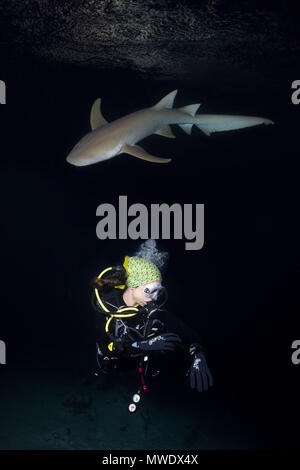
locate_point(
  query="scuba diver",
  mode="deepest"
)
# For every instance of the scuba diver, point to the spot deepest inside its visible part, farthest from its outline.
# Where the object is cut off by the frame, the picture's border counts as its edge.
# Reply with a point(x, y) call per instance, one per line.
point(132, 326)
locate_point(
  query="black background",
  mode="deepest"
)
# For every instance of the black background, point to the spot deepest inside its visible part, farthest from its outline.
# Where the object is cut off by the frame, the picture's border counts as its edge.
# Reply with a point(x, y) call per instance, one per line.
point(240, 291)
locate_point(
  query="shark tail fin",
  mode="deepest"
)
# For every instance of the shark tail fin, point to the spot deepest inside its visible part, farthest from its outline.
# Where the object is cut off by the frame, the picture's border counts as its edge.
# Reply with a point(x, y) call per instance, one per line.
point(209, 123)
point(96, 118)
point(166, 102)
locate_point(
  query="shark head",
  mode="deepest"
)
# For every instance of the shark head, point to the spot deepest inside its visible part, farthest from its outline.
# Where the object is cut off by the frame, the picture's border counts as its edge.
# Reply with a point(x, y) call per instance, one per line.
point(78, 158)
point(92, 148)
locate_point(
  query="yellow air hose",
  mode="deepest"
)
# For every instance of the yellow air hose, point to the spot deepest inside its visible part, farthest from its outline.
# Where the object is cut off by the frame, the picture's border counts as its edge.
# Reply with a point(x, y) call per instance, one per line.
point(119, 312)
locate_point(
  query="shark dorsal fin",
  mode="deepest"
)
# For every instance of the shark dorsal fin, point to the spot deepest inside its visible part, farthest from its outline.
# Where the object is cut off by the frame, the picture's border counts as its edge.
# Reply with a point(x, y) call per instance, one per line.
point(167, 101)
point(190, 109)
point(96, 118)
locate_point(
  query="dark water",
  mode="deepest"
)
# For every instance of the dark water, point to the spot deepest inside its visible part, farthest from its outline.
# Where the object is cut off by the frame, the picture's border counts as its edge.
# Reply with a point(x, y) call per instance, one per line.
point(240, 291)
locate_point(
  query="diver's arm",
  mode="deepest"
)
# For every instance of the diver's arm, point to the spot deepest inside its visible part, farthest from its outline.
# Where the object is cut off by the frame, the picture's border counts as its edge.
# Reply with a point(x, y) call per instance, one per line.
point(161, 342)
point(200, 377)
point(188, 335)
point(199, 374)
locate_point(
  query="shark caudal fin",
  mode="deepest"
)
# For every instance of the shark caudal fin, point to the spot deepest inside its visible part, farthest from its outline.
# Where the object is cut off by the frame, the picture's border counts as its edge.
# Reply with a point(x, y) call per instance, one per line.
point(96, 118)
point(209, 123)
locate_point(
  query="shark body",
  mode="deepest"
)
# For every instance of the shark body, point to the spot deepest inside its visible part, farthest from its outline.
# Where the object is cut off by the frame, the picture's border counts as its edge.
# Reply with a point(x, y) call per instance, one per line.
point(107, 140)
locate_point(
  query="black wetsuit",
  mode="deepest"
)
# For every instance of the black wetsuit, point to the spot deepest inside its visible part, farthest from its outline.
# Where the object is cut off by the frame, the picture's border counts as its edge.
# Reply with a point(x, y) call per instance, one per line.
point(148, 321)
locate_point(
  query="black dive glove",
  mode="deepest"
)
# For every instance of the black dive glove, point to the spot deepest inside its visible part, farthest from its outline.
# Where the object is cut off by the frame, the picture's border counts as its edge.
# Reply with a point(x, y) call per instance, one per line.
point(164, 342)
point(199, 372)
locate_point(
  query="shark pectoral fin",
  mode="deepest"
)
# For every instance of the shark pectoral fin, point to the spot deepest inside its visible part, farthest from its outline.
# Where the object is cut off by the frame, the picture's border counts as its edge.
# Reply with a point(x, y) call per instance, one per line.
point(139, 152)
point(96, 118)
point(165, 131)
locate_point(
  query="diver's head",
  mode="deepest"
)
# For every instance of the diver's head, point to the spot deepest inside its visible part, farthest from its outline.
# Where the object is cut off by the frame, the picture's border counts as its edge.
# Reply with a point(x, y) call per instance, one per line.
point(143, 281)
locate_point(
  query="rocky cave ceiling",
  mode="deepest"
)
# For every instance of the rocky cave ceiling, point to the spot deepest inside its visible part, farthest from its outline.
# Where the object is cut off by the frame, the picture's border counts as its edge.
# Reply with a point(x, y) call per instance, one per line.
point(161, 37)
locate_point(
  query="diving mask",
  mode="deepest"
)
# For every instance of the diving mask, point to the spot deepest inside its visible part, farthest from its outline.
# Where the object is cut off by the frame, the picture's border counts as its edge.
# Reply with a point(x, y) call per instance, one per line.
point(154, 292)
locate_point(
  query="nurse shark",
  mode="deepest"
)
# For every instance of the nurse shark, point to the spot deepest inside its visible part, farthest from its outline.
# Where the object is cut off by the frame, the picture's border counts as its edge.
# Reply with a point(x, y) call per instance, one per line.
point(107, 140)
